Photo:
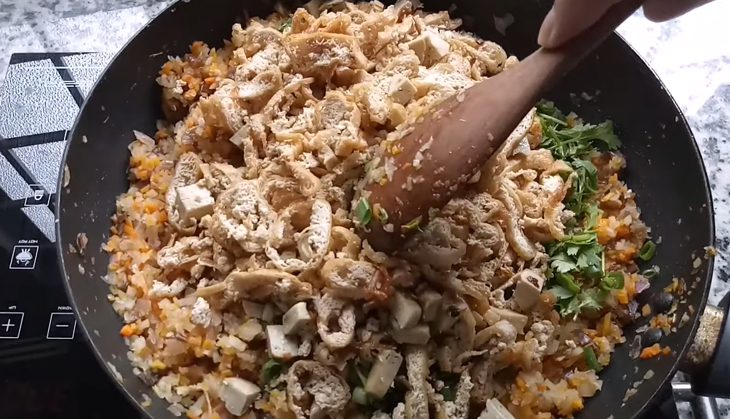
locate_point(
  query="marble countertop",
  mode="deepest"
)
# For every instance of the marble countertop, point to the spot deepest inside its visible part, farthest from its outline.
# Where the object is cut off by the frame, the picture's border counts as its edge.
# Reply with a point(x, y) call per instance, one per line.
point(687, 53)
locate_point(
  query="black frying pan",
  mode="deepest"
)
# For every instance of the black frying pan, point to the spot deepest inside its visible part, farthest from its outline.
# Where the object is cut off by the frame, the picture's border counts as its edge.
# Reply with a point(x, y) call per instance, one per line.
point(665, 169)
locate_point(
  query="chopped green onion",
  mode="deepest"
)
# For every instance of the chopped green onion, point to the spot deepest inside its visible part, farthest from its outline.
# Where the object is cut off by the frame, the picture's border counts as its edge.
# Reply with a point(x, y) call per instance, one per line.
point(359, 396)
point(363, 212)
point(591, 359)
point(647, 251)
point(567, 281)
point(271, 370)
point(412, 225)
point(651, 272)
point(613, 281)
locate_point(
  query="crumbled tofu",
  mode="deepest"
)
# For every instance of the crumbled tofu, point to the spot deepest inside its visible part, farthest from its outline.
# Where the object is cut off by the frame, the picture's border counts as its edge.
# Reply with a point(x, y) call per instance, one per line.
point(238, 394)
point(194, 201)
point(418, 335)
point(528, 289)
point(383, 373)
point(280, 345)
point(296, 318)
point(162, 290)
point(401, 90)
point(431, 303)
point(518, 320)
point(429, 47)
point(406, 311)
point(253, 309)
point(201, 314)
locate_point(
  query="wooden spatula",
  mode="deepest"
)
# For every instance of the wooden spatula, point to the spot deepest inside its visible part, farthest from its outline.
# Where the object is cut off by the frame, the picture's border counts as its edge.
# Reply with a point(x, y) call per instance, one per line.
point(454, 142)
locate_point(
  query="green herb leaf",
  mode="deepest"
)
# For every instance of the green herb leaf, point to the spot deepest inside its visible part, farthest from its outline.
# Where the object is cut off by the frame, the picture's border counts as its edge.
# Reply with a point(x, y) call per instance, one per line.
point(363, 212)
point(449, 393)
point(592, 215)
point(591, 360)
point(271, 370)
point(647, 251)
point(613, 281)
point(359, 396)
point(567, 281)
point(412, 225)
point(561, 293)
point(285, 25)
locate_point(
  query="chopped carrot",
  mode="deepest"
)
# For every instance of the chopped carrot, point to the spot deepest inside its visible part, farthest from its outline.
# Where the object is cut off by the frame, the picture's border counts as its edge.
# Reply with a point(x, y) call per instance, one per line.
point(603, 232)
point(128, 330)
point(622, 297)
point(650, 352)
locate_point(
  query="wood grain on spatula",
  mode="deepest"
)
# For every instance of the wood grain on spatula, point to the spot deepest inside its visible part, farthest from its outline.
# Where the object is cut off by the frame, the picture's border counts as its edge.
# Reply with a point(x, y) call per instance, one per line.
point(445, 150)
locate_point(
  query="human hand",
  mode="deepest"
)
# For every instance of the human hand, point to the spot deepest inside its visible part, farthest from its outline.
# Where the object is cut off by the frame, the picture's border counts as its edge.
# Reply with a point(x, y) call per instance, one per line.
point(569, 18)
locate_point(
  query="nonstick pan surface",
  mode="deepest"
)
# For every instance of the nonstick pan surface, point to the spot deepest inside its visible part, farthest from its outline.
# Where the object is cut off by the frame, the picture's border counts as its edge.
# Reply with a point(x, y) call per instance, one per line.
point(665, 170)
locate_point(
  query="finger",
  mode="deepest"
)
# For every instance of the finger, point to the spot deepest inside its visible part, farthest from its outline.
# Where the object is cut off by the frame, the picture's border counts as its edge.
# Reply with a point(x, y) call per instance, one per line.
point(661, 10)
point(568, 18)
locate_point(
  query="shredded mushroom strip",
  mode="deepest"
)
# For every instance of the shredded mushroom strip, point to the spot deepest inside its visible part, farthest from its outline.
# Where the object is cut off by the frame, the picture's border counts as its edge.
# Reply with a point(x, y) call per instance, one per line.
point(246, 290)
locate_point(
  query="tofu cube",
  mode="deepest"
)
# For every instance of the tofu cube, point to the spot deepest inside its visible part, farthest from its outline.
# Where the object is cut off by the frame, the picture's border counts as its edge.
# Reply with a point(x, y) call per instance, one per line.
point(280, 345)
point(194, 201)
point(383, 373)
point(401, 90)
point(518, 320)
point(406, 312)
point(238, 394)
point(528, 289)
point(296, 318)
point(431, 303)
point(253, 309)
point(429, 47)
point(418, 335)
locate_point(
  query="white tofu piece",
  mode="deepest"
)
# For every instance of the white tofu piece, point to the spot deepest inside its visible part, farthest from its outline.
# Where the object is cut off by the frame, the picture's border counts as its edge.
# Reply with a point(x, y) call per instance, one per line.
point(401, 90)
point(495, 410)
point(194, 201)
point(296, 318)
point(406, 311)
point(518, 320)
point(253, 309)
point(269, 312)
point(528, 289)
point(418, 335)
point(430, 303)
point(280, 345)
point(383, 373)
point(238, 394)
point(429, 47)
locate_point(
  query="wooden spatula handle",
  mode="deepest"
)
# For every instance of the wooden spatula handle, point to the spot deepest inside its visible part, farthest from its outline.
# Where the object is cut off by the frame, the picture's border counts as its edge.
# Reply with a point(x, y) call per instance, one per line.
point(451, 145)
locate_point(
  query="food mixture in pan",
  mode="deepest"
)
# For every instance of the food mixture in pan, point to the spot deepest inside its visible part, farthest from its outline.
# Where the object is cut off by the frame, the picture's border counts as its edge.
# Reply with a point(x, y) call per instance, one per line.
point(246, 290)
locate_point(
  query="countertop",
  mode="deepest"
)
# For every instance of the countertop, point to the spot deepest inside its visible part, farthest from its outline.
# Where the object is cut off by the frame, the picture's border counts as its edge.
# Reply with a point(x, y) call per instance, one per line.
point(687, 53)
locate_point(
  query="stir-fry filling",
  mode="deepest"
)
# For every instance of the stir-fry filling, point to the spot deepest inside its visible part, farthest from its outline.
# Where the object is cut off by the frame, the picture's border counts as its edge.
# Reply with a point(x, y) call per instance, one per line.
point(246, 290)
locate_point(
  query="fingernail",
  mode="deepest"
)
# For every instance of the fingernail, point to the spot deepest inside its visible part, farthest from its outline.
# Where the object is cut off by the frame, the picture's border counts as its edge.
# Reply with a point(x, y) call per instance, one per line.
point(547, 30)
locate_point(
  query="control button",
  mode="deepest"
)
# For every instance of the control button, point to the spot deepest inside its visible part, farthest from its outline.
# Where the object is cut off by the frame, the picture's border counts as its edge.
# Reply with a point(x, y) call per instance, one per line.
point(39, 197)
point(61, 326)
point(23, 257)
point(10, 324)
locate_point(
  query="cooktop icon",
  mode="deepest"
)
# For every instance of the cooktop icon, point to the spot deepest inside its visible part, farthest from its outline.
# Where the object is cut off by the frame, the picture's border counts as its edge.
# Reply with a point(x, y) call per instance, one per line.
point(38, 197)
point(24, 257)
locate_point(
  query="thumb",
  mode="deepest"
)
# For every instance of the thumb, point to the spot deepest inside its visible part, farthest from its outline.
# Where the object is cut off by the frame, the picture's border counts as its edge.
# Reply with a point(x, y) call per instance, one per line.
point(568, 18)
point(660, 10)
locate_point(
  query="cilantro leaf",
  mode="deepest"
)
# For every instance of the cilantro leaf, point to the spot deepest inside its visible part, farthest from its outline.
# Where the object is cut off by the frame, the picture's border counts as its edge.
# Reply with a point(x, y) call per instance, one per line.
point(562, 263)
point(285, 25)
point(561, 293)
